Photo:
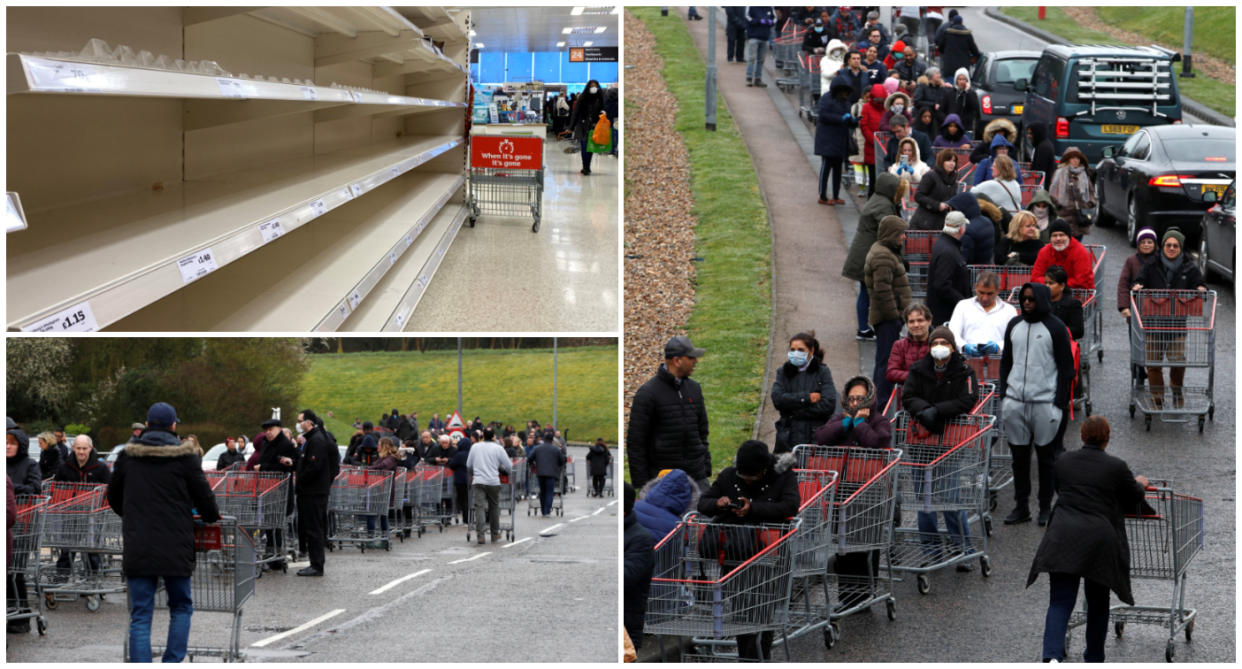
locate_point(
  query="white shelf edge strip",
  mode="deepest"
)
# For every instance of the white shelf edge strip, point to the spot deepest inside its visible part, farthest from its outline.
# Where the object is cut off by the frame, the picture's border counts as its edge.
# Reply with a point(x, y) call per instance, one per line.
point(409, 301)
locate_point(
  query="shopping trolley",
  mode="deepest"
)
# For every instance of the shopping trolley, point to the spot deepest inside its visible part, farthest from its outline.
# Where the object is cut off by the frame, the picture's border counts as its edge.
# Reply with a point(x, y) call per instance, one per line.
point(431, 507)
point(812, 549)
point(569, 478)
point(1033, 178)
point(862, 523)
point(786, 49)
point(260, 503)
point(223, 581)
point(408, 519)
point(918, 274)
point(1010, 276)
point(714, 581)
point(520, 478)
point(507, 506)
point(534, 505)
point(1162, 545)
point(918, 245)
point(23, 562)
point(506, 177)
point(808, 85)
point(1000, 459)
point(1028, 191)
point(396, 503)
point(1096, 326)
point(77, 520)
point(1175, 329)
point(943, 472)
point(359, 494)
point(1092, 340)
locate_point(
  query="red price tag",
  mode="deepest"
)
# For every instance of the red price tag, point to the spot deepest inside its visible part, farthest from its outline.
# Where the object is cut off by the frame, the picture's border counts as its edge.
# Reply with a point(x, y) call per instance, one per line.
point(515, 153)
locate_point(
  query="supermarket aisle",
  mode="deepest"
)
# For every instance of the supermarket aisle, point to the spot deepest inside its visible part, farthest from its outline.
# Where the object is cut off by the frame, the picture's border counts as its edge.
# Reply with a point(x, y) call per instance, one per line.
point(500, 276)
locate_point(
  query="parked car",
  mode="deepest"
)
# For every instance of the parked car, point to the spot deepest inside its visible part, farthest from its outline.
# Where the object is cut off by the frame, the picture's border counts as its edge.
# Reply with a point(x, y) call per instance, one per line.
point(1159, 176)
point(1095, 96)
point(213, 454)
point(1217, 244)
point(993, 80)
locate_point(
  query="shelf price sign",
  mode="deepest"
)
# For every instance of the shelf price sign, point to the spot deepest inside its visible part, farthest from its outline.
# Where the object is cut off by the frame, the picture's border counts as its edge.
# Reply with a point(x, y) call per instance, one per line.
point(271, 230)
point(197, 265)
point(78, 318)
point(516, 153)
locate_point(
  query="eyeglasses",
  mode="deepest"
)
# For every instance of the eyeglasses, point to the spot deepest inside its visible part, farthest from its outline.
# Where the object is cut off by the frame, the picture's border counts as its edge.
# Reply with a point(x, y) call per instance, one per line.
point(1027, 298)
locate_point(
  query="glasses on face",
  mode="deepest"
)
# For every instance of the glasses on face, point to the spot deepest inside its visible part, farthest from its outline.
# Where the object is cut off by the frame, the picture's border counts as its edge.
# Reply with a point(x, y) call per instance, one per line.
point(1028, 298)
point(855, 399)
point(1172, 245)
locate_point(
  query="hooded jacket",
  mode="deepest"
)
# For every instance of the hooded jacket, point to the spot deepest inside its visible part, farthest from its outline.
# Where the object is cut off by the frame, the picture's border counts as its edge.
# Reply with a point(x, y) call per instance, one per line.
point(869, 123)
point(773, 498)
point(952, 392)
point(961, 101)
point(936, 187)
point(1037, 370)
point(1076, 260)
point(832, 133)
point(978, 244)
point(880, 204)
point(791, 393)
point(597, 459)
point(1041, 196)
point(888, 284)
point(984, 170)
point(957, 47)
point(989, 131)
point(834, 55)
point(667, 499)
point(1045, 159)
point(668, 429)
point(22, 469)
point(876, 431)
point(319, 463)
point(93, 471)
point(949, 140)
point(157, 485)
point(889, 101)
point(916, 169)
point(948, 279)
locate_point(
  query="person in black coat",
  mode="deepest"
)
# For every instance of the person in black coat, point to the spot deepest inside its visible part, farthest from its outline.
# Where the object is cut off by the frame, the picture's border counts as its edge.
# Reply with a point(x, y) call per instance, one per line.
point(668, 421)
point(317, 467)
point(50, 458)
point(735, 33)
point(1168, 269)
point(833, 125)
point(279, 454)
point(948, 279)
point(547, 460)
point(598, 458)
point(231, 455)
point(803, 393)
point(1044, 159)
point(24, 479)
point(461, 478)
point(83, 467)
point(934, 191)
point(1086, 540)
point(1064, 306)
point(979, 242)
point(584, 117)
point(957, 46)
point(639, 568)
point(760, 488)
point(157, 485)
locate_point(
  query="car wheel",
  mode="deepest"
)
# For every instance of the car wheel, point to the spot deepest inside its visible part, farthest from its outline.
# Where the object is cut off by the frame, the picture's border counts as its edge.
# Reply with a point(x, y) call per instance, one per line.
point(1102, 217)
point(1132, 219)
point(1202, 260)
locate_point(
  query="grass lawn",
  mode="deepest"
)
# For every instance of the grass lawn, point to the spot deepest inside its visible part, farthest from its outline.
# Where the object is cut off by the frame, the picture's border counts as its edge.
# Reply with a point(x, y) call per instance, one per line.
point(1214, 34)
point(508, 386)
point(733, 285)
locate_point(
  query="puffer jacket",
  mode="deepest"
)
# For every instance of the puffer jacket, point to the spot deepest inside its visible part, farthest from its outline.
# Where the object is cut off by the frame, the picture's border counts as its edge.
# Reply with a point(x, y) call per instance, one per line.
point(936, 187)
point(1035, 345)
point(979, 242)
point(876, 431)
point(22, 469)
point(834, 54)
point(665, 501)
point(952, 393)
point(906, 351)
point(888, 284)
point(984, 149)
point(869, 121)
point(984, 171)
point(772, 498)
point(668, 429)
point(881, 204)
point(791, 396)
point(1076, 260)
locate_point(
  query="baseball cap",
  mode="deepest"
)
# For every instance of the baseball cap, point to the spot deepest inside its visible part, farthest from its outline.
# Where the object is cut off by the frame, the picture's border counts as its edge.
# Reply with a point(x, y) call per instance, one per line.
point(162, 414)
point(681, 346)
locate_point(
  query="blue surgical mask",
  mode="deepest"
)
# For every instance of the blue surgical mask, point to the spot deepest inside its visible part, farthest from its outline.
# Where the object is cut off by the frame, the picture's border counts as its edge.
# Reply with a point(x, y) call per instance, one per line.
point(798, 358)
point(819, 29)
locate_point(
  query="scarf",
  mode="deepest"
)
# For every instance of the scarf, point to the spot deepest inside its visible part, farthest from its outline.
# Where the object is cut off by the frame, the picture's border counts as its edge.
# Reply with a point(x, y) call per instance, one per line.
point(1074, 187)
point(1170, 266)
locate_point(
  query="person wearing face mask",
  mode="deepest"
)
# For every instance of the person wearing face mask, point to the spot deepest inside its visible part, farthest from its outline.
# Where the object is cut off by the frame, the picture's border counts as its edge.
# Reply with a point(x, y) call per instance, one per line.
point(316, 469)
point(1041, 206)
point(831, 63)
point(1036, 373)
point(896, 103)
point(803, 392)
point(1168, 269)
point(1022, 243)
point(585, 116)
point(816, 40)
point(668, 421)
point(1062, 249)
point(888, 287)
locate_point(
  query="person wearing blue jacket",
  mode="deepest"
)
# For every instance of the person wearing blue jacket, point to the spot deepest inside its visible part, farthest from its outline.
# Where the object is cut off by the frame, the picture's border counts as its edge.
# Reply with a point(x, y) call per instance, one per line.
point(999, 147)
point(667, 499)
point(832, 137)
point(979, 241)
point(759, 22)
point(461, 477)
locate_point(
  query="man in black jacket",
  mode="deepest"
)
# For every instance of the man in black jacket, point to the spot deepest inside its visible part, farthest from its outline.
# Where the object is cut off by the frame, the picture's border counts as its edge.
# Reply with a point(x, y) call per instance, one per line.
point(735, 34)
point(547, 460)
point(639, 566)
point(83, 467)
point(279, 455)
point(948, 279)
point(957, 47)
point(231, 456)
point(157, 484)
point(317, 467)
point(668, 421)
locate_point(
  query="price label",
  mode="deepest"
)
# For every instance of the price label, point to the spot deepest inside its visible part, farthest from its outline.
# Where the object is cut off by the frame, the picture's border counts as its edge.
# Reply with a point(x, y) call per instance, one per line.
point(396, 172)
point(271, 230)
point(356, 189)
point(52, 75)
point(409, 239)
point(78, 318)
point(318, 208)
point(309, 93)
point(343, 310)
point(399, 319)
point(392, 258)
point(197, 265)
point(347, 194)
point(231, 88)
point(422, 281)
point(355, 298)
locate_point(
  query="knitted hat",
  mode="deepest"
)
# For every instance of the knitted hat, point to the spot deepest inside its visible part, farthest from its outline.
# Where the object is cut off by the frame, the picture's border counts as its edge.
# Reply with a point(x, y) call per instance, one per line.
point(752, 457)
point(1147, 233)
point(1059, 225)
point(1175, 234)
point(955, 220)
point(944, 333)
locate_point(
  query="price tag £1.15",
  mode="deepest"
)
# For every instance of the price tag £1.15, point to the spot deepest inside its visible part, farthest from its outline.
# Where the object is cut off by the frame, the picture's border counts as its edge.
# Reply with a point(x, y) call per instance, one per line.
point(78, 318)
point(197, 265)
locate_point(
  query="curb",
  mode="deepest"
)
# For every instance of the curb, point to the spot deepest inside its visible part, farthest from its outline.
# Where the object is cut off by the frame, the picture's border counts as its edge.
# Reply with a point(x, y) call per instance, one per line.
point(1211, 115)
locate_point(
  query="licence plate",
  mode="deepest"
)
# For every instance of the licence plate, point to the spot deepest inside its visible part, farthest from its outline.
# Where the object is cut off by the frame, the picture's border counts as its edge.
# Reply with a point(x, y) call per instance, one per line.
point(1219, 189)
point(1016, 109)
point(1119, 129)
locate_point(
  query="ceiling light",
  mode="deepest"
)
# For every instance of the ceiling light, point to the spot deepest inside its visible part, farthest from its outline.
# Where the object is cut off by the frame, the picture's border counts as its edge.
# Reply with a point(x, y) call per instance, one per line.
point(560, 44)
point(473, 33)
point(577, 11)
point(478, 45)
point(587, 43)
point(566, 31)
point(600, 29)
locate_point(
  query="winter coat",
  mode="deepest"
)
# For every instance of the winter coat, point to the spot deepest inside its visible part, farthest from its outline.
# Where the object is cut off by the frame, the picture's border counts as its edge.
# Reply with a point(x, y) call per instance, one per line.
point(884, 274)
point(906, 71)
point(585, 115)
point(1000, 218)
point(844, 23)
point(984, 171)
point(597, 459)
point(856, 81)
point(1006, 194)
point(1152, 275)
point(953, 393)
point(831, 63)
point(1027, 251)
point(874, 432)
point(273, 451)
point(157, 484)
point(1071, 191)
point(791, 396)
point(667, 500)
point(880, 204)
point(905, 352)
point(1087, 533)
point(962, 102)
point(812, 40)
point(93, 471)
point(319, 464)
point(1044, 159)
point(957, 47)
point(945, 140)
point(639, 565)
point(948, 279)
point(461, 476)
point(935, 187)
point(832, 134)
point(1069, 311)
point(10, 519)
point(1076, 260)
point(893, 98)
point(979, 242)
point(50, 460)
point(407, 430)
point(759, 22)
point(22, 469)
point(1036, 345)
point(229, 458)
point(1129, 277)
point(874, 73)
point(773, 498)
point(926, 95)
point(437, 452)
point(546, 459)
point(869, 122)
point(668, 429)
point(925, 153)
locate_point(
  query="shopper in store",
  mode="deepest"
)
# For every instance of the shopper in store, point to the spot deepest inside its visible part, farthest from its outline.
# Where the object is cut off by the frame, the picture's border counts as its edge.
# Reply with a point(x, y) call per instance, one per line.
point(585, 116)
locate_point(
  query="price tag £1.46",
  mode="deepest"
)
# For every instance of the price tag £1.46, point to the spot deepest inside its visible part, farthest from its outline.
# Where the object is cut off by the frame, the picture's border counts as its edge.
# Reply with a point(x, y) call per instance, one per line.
point(78, 318)
point(197, 265)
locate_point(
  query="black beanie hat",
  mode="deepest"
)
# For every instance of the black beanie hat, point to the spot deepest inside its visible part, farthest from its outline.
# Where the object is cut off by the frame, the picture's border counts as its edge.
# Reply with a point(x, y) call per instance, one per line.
point(1059, 225)
point(752, 457)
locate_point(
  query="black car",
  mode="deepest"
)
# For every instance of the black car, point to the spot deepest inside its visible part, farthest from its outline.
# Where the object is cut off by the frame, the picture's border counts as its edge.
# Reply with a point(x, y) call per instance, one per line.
point(993, 80)
point(1217, 244)
point(1159, 176)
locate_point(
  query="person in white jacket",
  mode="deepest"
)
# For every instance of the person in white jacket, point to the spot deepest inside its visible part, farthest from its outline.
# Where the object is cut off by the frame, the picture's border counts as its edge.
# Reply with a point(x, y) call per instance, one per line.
point(978, 323)
point(834, 57)
point(913, 168)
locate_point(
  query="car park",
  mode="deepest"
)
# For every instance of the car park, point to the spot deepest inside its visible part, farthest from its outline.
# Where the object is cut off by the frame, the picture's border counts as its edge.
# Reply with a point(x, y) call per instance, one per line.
point(993, 79)
point(1160, 175)
point(1218, 241)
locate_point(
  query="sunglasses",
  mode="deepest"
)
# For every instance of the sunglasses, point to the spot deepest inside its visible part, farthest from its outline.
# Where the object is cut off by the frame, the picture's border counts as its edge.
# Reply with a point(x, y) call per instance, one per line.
point(1027, 298)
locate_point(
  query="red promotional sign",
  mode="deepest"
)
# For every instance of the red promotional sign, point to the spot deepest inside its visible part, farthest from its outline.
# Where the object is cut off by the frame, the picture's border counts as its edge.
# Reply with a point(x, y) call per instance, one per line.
point(515, 153)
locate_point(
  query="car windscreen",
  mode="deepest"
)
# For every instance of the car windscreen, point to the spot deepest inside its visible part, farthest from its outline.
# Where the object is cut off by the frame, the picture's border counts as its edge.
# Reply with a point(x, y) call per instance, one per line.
point(1013, 69)
point(1214, 151)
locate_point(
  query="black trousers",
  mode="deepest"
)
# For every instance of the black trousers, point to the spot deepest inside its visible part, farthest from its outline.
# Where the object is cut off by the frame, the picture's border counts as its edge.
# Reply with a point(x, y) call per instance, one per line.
point(598, 483)
point(462, 504)
point(1046, 455)
point(735, 44)
point(827, 166)
point(312, 526)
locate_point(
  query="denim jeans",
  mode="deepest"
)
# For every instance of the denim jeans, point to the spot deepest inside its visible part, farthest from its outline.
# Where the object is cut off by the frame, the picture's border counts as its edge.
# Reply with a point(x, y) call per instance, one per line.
point(886, 334)
point(862, 306)
point(547, 493)
point(586, 155)
point(1062, 594)
point(954, 521)
point(142, 607)
point(756, 51)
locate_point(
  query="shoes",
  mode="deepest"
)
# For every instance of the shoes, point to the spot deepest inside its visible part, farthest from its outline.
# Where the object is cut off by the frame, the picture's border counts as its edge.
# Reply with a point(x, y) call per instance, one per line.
point(750, 82)
point(309, 571)
point(865, 335)
point(965, 567)
point(584, 172)
point(759, 84)
point(481, 542)
point(495, 539)
point(1018, 515)
point(1044, 516)
point(838, 201)
point(823, 201)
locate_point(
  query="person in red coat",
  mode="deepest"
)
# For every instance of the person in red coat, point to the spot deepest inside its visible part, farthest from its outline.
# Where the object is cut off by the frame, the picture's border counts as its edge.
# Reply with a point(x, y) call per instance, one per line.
point(909, 349)
point(1062, 249)
point(869, 124)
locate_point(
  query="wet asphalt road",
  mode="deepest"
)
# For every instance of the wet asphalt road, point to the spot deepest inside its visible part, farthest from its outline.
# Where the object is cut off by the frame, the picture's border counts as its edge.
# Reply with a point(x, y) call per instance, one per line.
point(548, 597)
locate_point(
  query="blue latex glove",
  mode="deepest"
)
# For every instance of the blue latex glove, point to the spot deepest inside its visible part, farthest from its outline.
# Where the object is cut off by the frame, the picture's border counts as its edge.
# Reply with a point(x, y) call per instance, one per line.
point(846, 118)
point(970, 349)
point(990, 348)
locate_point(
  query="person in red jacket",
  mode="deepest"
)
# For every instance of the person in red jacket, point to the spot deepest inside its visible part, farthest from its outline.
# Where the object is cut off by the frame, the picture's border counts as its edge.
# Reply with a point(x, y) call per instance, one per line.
point(907, 350)
point(1062, 249)
point(869, 124)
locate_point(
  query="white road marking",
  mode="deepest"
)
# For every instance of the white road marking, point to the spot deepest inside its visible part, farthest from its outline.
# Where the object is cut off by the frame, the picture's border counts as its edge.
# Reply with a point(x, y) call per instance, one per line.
point(548, 532)
point(385, 588)
point(574, 520)
point(298, 629)
point(611, 503)
point(599, 510)
point(473, 557)
point(519, 541)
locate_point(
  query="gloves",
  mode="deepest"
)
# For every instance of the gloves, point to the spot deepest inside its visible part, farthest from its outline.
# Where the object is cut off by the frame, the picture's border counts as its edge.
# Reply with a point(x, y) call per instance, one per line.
point(847, 117)
point(927, 416)
point(990, 348)
point(970, 349)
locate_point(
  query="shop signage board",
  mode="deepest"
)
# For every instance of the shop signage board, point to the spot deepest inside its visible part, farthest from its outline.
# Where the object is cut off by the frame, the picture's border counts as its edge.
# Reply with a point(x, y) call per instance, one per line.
point(502, 152)
point(593, 54)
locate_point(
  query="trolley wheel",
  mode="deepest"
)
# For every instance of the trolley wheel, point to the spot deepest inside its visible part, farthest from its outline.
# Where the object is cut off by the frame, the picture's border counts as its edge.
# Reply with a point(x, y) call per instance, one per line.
point(1119, 627)
point(41, 625)
point(890, 607)
point(924, 584)
point(471, 220)
point(1132, 411)
point(362, 546)
point(535, 227)
point(1212, 413)
point(1202, 422)
point(1190, 628)
point(1168, 652)
point(1099, 355)
point(985, 566)
point(330, 547)
point(1147, 422)
point(388, 544)
point(987, 522)
point(830, 636)
point(92, 603)
point(1086, 406)
point(49, 600)
point(992, 501)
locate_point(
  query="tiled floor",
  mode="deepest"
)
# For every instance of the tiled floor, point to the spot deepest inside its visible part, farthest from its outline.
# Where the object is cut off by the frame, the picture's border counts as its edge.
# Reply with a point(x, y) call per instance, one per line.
point(498, 276)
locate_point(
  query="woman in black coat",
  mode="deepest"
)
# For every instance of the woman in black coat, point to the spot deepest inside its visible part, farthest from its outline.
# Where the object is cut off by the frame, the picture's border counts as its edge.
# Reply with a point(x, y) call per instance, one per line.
point(1086, 539)
point(832, 137)
point(934, 191)
point(598, 458)
point(585, 116)
point(803, 392)
point(1168, 269)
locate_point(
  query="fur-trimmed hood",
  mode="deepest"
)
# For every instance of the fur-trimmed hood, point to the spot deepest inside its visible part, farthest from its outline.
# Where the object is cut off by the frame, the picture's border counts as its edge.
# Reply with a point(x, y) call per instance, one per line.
point(158, 451)
point(783, 462)
point(989, 131)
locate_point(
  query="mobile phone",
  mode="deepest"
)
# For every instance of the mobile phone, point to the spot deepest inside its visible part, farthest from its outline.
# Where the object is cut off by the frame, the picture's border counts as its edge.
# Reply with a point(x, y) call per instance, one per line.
point(735, 504)
point(905, 160)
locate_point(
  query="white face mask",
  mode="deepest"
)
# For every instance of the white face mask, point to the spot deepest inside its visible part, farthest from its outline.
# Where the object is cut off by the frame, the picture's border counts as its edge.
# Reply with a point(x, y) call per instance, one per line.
point(898, 108)
point(940, 352)
point(594, 89)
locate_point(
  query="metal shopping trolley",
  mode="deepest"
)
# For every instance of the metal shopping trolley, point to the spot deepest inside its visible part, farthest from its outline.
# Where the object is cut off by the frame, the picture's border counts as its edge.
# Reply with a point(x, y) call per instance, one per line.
point(223, 581)
point(715, 581)
point(431, 507)
point(260, 503)
point(506, 177)
point(1162, 545)
point(569, 479)
point(1000, 459)
point(1175, 329)
point(507, 506)
point(396, 503)
point(1011, 276)
point(812, 549)
point(358, 501)
point(78, 521)
point(808, 86)
point(534, 504)
point(944, 472)
point(23, 562)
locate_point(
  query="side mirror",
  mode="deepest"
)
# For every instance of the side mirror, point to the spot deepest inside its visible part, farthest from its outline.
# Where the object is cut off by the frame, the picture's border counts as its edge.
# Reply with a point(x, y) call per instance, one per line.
point(1110, 151)
point(1020, 85)
point(1210, 197)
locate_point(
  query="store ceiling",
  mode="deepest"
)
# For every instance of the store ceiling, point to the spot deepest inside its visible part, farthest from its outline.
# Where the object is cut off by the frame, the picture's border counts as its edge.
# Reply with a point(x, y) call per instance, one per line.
point(540, 28)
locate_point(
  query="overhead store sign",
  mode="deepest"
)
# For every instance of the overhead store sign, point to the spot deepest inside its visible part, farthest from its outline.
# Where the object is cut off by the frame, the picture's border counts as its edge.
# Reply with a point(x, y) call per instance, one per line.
point(516, 153)
point(593, 54)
